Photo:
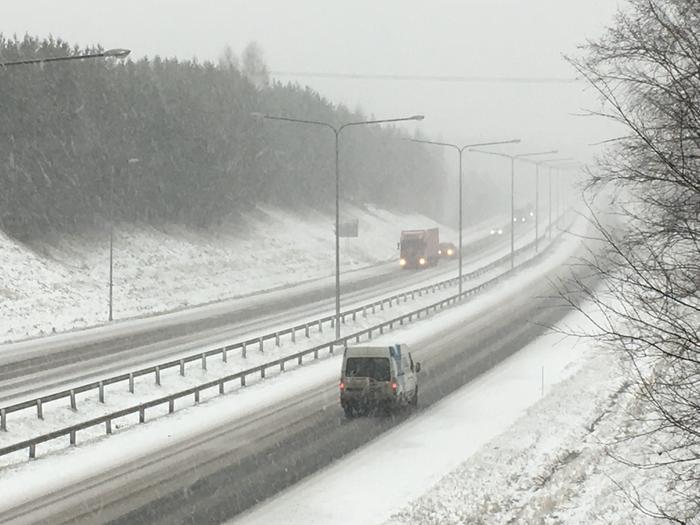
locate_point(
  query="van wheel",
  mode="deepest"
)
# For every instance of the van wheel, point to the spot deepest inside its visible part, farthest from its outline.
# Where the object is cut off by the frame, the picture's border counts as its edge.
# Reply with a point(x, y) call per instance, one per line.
point(414, 399)
point(349, 412)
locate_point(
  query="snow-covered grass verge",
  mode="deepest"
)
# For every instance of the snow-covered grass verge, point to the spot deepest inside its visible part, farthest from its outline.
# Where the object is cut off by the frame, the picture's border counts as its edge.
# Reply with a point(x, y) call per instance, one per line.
point(555, 464)
point(62, 285)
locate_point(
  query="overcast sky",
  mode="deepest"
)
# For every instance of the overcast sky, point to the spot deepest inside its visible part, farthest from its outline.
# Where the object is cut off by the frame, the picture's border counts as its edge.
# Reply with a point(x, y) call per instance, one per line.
point(472, 38)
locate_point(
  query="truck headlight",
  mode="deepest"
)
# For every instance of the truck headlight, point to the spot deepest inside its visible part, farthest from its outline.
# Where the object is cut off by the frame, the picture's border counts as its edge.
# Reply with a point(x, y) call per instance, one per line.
point(402, 262)
point(421, 261)
point(449, 252)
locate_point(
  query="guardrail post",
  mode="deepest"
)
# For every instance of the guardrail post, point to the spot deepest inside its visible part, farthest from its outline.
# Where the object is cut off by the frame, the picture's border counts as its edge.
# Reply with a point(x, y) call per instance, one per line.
point(306, 330)
point(401, 321)
point(224, 354)
point(221, 386)
point(182, 367)
point(354, 315)
point(72, 438)
point(364, 311)
point(101, 391)
point(316, 354)
point(196, 397)
point(171, 406)
point(244, 351)
point(299, 360)
point(157, 375)
point(243, 380)
point(381, 329)
point(391, 325)
point(413, 296)
point(72, 400)
point(342, 318)
point(294, 335)
point(333, 322)
point(320, 326)
point(131, 382)
point(282, 366)
point(357, 338)
point(3, 419)
point(277, 338)
point(262, 373)
point(39, 410)
point(108, 426)
point(260, 342)
point(142, 415)
point(32, 451)
point(204, 361)
point(410, 317)
point(369, 334)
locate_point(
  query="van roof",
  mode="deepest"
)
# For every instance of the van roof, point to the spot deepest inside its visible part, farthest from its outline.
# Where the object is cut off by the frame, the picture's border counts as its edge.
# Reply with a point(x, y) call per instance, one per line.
point(372, 351)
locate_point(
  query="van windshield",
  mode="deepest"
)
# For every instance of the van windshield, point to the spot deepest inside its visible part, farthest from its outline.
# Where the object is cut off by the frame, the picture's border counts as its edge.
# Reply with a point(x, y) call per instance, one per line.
point(372, 367)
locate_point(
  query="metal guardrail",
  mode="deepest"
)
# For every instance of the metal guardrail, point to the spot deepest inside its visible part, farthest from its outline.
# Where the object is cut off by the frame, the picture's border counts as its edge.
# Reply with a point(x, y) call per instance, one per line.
point(221, 382)
point(243, 346)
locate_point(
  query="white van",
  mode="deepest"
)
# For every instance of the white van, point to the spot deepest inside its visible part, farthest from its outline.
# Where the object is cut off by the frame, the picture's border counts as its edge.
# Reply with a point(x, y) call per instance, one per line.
point(377, 377)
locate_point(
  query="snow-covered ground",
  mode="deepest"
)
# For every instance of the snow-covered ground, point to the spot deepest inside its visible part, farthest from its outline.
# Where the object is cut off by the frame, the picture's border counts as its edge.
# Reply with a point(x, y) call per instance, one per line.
point(524, 443)
point(24, 481)
point(63, 285)
point(58, 414)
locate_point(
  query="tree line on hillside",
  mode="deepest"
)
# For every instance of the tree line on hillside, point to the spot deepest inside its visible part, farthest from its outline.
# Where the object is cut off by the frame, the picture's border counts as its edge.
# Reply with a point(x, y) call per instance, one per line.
point(162, 140)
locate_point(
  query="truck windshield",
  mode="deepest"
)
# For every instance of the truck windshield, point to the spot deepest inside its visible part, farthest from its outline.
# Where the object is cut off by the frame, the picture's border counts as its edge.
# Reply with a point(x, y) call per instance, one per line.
point(411, 246)
point(373, 367)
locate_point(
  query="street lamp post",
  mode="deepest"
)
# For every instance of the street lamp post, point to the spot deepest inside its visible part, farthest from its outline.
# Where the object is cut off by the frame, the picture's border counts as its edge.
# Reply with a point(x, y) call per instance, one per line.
point(110, 53)
point(537, 193)
point(111, 233)
point(337, 130)
point(513, 158)
point(460, 150)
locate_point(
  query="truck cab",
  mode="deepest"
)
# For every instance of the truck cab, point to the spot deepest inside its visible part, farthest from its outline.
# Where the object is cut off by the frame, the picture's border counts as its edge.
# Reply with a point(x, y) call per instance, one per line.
point(378, 377)
point(419, 248)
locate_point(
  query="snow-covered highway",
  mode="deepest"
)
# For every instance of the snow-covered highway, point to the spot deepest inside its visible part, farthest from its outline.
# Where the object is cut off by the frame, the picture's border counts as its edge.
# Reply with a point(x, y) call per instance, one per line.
point(241, 450)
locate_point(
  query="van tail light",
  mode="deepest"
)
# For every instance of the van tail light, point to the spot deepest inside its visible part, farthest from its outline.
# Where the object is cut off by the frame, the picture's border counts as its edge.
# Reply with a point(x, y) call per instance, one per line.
point(394, 386)
point(342, 386)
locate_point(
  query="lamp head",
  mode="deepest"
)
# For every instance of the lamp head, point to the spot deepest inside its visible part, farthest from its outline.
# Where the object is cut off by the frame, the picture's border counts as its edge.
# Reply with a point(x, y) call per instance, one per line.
point(117, 53)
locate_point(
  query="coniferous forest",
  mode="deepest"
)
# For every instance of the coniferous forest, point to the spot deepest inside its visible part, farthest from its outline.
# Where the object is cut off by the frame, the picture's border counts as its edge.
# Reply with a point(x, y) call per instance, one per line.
point(156, 141)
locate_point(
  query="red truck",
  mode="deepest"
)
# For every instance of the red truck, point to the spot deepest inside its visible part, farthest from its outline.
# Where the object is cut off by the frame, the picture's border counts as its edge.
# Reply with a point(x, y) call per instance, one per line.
point(419, 248)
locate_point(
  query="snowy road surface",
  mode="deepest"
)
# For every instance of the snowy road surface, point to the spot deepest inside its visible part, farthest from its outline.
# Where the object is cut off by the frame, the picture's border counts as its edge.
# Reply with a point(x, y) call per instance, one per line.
point(219, 459)
point(41, 366)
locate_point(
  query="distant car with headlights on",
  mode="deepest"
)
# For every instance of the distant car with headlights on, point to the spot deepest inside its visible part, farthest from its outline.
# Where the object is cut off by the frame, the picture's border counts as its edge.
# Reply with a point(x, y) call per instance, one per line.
point(497, 231)
point(447, 250)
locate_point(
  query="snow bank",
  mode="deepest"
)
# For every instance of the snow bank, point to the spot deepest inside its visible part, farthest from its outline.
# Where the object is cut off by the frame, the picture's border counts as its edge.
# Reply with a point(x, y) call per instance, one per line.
point(64, 285)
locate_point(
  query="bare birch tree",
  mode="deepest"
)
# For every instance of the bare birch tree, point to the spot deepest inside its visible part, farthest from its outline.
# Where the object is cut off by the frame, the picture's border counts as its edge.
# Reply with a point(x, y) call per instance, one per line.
point(647, 70)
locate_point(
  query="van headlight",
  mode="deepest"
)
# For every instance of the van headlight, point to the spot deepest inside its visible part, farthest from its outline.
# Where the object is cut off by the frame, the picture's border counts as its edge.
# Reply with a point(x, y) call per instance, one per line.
point(421, 261)
point(402, 262)
point(449, 252)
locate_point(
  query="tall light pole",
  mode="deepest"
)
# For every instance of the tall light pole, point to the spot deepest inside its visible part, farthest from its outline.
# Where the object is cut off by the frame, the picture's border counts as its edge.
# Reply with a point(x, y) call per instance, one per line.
point(557, 166)
point(337, 130)
point(111, 233)
point(537, 193)
point(460, 150)
point(513, 158)
point(109, 53)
